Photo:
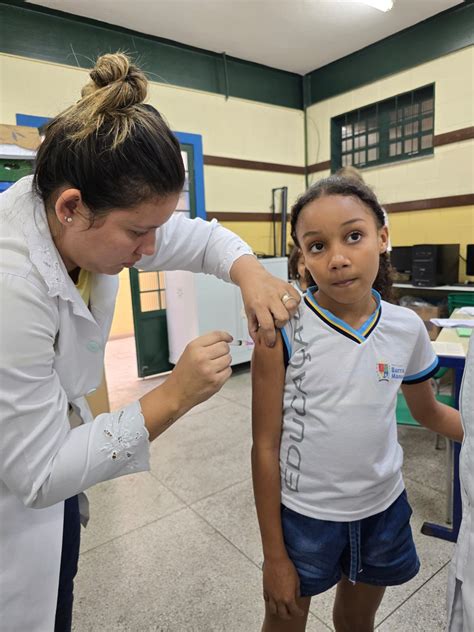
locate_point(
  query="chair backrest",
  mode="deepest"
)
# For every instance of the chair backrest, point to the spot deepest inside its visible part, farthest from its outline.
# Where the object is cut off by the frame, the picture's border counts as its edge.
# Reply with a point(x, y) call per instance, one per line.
point(455, 301)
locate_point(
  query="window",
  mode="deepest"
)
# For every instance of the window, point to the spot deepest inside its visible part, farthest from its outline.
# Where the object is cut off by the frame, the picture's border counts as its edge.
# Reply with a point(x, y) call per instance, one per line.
point(395, 129)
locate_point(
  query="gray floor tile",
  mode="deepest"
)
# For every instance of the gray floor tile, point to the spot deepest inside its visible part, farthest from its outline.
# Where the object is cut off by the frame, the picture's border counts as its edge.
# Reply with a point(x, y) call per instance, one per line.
point(422, 462)
point(425, 611)
point(175, 575)
point(238, 388)
point(204, 452)
point(124, 504)
point(232, 513)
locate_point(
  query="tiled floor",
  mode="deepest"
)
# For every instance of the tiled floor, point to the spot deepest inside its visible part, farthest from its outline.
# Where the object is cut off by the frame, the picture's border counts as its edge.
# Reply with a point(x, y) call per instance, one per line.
point(177, 549)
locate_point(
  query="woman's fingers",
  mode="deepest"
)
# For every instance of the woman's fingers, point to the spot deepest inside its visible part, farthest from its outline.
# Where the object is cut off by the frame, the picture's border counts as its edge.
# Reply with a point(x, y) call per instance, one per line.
point(271, 310)
point(218, 349)
point(202, 369)
point(211, 338)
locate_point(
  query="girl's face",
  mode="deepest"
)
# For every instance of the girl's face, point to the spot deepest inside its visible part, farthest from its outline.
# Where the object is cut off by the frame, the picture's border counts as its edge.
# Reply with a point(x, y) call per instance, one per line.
point(116, 241)
point(341, 244)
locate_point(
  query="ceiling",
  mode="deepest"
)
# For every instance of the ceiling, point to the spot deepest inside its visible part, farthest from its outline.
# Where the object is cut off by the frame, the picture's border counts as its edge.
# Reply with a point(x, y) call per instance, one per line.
point(294, 35)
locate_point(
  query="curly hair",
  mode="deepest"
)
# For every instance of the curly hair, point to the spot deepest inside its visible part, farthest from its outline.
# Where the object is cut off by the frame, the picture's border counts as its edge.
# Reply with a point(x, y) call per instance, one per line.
point(350, 187)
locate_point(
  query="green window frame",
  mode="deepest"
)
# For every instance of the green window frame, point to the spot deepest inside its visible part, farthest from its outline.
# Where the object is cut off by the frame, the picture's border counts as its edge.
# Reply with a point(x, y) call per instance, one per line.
point(399, 128)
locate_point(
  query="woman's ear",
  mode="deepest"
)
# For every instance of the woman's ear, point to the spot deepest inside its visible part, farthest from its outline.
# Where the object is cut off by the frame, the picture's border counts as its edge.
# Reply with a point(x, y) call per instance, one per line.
point(69, 207)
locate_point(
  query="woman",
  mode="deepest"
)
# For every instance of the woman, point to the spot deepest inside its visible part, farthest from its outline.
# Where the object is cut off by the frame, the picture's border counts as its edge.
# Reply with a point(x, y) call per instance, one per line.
point(107, 180)
point(461, 576)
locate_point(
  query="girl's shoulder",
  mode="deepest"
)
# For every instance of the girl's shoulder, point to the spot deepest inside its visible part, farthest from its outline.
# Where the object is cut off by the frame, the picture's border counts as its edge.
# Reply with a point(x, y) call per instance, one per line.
point(401, 318)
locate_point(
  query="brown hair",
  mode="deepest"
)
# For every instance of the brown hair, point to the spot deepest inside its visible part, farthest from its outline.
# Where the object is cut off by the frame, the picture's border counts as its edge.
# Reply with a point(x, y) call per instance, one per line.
point(111, 146)
point(350, 172)
point(335, 185)
point(293, 273)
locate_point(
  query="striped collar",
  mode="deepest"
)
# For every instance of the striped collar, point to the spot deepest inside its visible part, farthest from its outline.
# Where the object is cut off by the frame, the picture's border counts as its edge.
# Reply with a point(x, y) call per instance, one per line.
point(357, 335)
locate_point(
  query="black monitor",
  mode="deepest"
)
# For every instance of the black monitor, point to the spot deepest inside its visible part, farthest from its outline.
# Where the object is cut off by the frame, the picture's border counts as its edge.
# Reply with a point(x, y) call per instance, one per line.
point(400, 258)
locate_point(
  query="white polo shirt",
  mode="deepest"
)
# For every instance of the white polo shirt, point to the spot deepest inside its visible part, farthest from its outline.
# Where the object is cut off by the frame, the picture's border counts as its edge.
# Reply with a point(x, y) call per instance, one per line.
point(340, 458)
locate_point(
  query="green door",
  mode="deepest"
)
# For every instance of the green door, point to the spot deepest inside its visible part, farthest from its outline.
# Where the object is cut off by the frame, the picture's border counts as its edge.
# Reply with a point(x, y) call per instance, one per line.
point(148, 293)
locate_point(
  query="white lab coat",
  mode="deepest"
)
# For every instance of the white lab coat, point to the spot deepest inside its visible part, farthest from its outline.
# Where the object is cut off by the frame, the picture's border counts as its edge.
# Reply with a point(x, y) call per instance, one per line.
point(52, 352)
point(461, 577)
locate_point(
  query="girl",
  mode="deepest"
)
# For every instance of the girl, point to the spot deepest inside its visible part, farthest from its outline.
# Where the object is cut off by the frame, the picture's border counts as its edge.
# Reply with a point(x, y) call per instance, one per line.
point(326, 462)
point(297, 271)
point(107, 181)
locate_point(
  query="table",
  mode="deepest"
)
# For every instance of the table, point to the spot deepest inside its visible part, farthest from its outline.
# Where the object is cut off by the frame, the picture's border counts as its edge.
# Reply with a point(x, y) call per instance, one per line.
point(435, 288)
point(456, 362)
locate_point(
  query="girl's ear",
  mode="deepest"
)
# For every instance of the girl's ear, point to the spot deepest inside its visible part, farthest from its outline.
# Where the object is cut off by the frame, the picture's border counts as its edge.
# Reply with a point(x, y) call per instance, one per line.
point(383, 239)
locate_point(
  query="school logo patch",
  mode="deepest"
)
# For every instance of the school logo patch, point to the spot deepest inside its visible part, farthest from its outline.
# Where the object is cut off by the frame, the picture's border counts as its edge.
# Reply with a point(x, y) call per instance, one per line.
point(387, 372)
point(383, 371)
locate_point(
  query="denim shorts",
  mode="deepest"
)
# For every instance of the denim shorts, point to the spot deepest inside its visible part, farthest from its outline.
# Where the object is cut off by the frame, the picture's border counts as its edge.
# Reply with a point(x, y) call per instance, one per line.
point(377, 550)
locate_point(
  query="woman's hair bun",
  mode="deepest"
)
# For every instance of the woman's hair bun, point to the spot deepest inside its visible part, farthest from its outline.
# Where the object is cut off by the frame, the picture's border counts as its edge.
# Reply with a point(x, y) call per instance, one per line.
point(124, 82)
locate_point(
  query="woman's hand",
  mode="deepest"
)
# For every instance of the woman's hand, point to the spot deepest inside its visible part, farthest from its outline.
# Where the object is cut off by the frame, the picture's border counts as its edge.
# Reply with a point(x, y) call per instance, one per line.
point(201, 371)
point(268, 301)
point(281, 588)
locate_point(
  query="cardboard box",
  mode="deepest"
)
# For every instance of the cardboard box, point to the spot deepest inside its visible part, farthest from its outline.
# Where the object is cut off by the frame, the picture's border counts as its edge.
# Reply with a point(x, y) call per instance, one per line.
point(426, 312)
point(20, 135)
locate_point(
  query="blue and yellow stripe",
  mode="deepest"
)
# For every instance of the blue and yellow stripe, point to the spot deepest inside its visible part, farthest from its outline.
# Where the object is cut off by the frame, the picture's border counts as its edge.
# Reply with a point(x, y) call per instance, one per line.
point(357, 335)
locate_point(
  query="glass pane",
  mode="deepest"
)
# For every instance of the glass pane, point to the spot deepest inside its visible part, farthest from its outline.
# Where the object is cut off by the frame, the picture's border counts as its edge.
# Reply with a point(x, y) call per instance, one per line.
point(373, 139)
point(427, 123)
point(395, 149)
point(149, 302)
point(161, 276)
point(183, 202)
point(427, 141)
point(148, 281)
point(184, 156)
point(427, 106)
point(360, 158)
point(372, 123)
point(373, 154)
point(411, 146)
point(395, 132)
point(346, 130)
point(411, 110)
point(349, 160)
point(411, 128)
point(359, 127)
point(186, 182)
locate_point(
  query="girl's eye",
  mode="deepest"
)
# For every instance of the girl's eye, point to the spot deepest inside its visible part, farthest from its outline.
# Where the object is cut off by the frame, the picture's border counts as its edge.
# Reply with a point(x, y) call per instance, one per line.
point(354, 237)
point(316, 247)
point(135, 233)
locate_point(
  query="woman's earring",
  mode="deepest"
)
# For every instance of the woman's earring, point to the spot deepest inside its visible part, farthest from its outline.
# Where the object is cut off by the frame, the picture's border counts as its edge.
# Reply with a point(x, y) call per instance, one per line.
point(68, 219)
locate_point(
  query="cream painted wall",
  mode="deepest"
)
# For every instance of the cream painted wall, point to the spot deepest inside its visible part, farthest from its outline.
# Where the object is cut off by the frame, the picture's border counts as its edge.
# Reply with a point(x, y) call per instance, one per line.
point(234, 128)
point(450, 170)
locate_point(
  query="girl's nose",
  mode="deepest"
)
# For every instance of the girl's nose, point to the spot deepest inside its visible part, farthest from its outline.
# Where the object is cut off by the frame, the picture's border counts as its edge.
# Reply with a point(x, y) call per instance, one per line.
point(338, 261)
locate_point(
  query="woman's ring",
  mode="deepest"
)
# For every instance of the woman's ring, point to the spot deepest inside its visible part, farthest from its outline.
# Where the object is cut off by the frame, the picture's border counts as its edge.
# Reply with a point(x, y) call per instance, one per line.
point(287, 297)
